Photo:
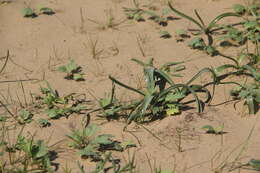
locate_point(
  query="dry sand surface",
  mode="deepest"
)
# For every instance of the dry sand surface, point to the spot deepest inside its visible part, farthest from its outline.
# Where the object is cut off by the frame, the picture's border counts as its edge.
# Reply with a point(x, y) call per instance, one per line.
point(38, 46)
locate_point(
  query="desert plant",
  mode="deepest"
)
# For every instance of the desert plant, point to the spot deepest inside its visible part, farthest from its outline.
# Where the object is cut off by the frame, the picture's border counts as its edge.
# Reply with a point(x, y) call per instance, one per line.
point(72, 70)
point(206, 29)
point(91, 145)
point(108, 163)
point(56, 106)
point(213, 130)
point(34, 156)
point(31, 13)
point(158, 98)
point(250, 93)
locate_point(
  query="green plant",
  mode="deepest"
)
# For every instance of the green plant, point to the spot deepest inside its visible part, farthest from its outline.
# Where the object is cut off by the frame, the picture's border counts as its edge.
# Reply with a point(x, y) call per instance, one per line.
point(31, 13)
point(43, 122)
point(198, 43)
point(251, 9)
point(206, 29)
point(233, 36)
point(213, 130)
point(165, 34)
point(162, 95)
point(91, 145)
point(28, 12)
point(108, 163)
point(25, 116)
point(250, 93)
point(56, 106)
point(73, 71)
point(34, 156)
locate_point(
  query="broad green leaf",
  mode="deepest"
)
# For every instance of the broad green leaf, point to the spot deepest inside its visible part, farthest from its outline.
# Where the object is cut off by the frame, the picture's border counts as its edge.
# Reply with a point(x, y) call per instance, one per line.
point(28, 12)
point(208, 128)
point(103, 139)
point(164, 34)
point(219, 129)
point(91, 130)
point(46, 10)
point(53, 113)
point(72, 66)
point(89, 151)
point(42, 149)
point(78, 76)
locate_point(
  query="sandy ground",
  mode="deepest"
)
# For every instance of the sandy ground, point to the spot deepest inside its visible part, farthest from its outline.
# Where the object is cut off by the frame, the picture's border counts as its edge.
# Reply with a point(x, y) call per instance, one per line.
point(38, 46)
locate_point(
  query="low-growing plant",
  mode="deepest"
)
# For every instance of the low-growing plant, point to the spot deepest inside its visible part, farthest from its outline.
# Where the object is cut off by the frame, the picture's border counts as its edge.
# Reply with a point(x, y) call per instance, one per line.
point(213, 130)
point(34, 156)
point(91, 145)
point(165, 34)
point(43, 122)
point(162, 96)
point(206, 29)
point(32, 13)
point(198, 43)
point(108, 163)
point(250, 93)
point(25, 116)
point(72, 70)
point(56, 106)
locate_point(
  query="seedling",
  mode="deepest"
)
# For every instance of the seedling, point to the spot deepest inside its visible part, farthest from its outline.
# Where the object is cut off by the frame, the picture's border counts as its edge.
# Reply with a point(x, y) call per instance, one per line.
point(28, 12)
point(74, 72)
point(33, 155)
point(233, 36)
point(46, 10)
point(198, 43)
point(57, 106)
point(249, 93)
point(25, 116)
point(108, 162)
point(213, 130)
point(43, 122)
point(31, 13)
point(165, 34)
point(91, 145)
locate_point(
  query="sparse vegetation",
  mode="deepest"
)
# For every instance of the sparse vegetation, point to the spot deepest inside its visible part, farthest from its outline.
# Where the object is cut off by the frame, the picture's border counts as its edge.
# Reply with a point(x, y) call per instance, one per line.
point(174, 100)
